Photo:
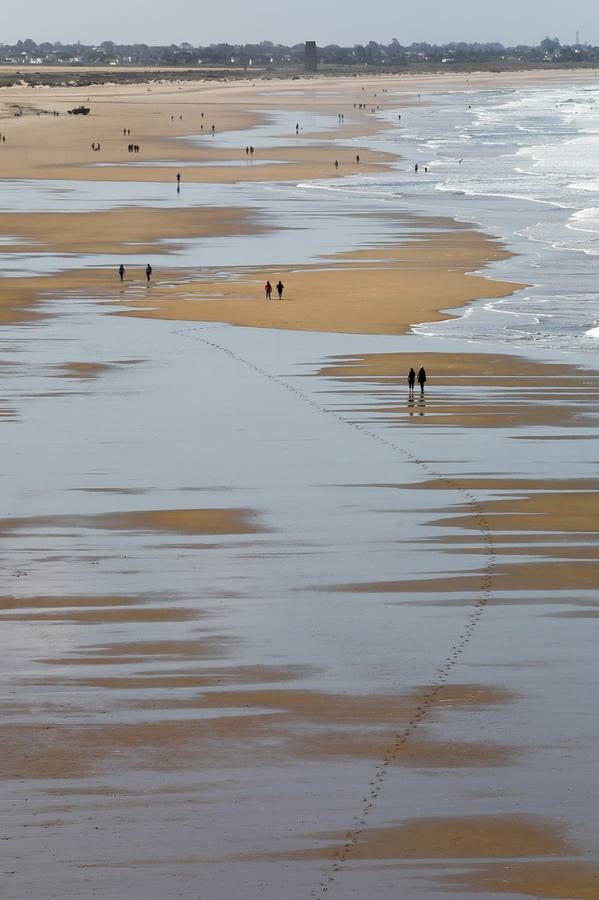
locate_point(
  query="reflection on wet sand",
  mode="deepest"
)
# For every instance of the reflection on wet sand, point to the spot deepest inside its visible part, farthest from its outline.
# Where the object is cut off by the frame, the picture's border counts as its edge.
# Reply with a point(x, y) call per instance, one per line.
point(177, 521)
point(516, 391)
point(506, 837)
point(116, 231)
point(220, 726)
point(551, 879)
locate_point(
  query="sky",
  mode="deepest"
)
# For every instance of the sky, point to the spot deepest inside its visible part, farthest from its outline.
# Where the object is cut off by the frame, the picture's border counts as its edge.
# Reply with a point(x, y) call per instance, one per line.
point(325, 21)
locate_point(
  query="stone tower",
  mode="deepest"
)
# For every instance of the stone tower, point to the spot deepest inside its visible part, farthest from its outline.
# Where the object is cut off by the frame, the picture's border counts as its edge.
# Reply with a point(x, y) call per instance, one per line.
point(310, 60)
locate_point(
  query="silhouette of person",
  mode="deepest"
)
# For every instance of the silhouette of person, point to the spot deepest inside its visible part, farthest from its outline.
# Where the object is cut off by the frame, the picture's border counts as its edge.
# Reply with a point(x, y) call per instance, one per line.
point(178, 178)
point(148, 272)
point(411, 382)
point(421, 377)
point(280, 287)
point(121, 271)
point(336, 163)
point(268, 290)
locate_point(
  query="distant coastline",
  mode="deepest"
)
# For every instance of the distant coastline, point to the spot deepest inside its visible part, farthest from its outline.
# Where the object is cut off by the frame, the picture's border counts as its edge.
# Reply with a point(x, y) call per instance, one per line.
point(27, 62)
point(79, 76)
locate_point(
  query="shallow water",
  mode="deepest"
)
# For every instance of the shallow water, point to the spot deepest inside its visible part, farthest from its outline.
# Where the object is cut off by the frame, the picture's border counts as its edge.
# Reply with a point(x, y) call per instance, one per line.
point(278, 131)
point(189, 164)
point(300, 226)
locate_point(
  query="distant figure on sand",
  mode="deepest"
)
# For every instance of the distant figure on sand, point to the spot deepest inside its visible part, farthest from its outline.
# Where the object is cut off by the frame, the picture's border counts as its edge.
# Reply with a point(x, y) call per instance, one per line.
point(411, 382)
point(280, 288)
point(267, 290)
point(358, 159)
point(416, 168)
point(336, 163)
point(421, 378)
point(148, 272)
point(178, 178)
point(121, 271)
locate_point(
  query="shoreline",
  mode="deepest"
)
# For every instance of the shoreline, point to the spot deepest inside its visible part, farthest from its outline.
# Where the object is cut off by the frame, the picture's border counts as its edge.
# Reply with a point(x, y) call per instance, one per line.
point(309, 159)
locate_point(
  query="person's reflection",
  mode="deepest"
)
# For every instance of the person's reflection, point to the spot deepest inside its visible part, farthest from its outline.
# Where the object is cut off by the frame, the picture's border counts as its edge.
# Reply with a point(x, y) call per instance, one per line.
point(416, 407)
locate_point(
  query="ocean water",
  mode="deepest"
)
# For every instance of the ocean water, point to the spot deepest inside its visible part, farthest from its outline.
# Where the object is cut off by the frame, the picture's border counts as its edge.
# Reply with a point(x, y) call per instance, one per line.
point(523, 165)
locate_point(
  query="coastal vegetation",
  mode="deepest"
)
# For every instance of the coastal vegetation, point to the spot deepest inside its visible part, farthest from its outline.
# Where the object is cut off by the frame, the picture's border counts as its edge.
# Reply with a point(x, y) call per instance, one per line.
point(221, 60)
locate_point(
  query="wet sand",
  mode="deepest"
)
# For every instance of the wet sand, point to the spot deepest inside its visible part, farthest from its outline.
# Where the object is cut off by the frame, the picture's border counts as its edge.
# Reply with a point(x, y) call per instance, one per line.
point(271, 628)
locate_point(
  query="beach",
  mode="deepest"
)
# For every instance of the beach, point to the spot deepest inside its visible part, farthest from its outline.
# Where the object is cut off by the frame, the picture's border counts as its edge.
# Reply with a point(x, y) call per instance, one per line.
point(273, 628)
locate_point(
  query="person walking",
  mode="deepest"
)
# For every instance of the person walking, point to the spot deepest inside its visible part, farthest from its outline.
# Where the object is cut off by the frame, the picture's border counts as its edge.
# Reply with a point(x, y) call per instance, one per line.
point(421, 377)
point(148, 272)
point(280, 288)
point(411, 382)
point(121, 272)
point(178, 178)
point(267, 290)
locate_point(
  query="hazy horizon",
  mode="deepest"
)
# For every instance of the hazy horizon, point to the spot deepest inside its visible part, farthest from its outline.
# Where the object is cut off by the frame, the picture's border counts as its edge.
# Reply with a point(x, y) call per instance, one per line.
point(238, 22)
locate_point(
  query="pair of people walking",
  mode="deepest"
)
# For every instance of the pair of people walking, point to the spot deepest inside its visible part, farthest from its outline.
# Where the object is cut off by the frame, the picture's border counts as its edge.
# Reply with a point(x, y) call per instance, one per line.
point(148, 271)
point(280, 287)
point(413, 378)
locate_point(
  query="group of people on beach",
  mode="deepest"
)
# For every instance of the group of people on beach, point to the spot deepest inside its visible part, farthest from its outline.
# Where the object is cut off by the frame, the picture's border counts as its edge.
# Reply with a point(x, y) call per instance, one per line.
point(279, 287)
point(413, 378)
point(147, 270)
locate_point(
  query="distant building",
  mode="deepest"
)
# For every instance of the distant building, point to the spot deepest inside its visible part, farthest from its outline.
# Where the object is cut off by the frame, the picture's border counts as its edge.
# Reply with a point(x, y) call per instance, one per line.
point(310, 60)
